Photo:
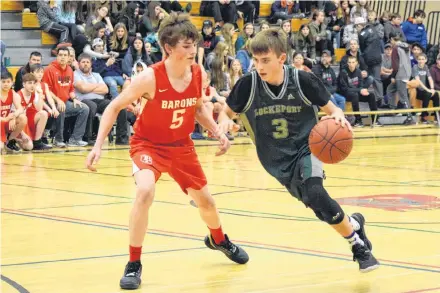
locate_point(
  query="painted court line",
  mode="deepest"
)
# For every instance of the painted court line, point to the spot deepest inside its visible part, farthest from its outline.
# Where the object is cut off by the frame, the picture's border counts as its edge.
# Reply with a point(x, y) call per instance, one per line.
point(423, 290)
point(287, 249)
point(14, 284)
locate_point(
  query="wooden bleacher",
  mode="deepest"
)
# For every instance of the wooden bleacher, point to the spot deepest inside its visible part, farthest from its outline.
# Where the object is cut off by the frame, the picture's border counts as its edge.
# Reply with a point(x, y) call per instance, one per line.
point(11, 5)
point(29, 20)
point(195, 10)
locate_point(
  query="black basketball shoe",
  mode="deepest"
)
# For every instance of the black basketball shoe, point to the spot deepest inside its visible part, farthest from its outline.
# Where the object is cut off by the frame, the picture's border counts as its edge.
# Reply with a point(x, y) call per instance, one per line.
point(361, 232)
point(232, 251)
point(361, 254)
point(132, 276)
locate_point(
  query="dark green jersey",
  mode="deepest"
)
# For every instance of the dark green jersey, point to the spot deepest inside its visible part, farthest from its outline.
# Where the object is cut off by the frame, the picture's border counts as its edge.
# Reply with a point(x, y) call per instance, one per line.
point(279, 118)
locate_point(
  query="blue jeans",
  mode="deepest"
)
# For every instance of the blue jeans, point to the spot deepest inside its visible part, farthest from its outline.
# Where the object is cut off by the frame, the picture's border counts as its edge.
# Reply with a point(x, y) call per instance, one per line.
point(338, 100)
point(112, 82)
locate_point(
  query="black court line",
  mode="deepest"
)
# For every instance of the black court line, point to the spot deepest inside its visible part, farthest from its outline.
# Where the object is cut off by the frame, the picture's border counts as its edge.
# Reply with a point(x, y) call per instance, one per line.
point(14, 284)
point(266, 247)
point(234, 212)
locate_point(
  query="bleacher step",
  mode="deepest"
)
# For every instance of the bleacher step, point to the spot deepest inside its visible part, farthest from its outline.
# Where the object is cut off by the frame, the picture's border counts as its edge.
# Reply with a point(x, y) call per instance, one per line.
point(20, 55)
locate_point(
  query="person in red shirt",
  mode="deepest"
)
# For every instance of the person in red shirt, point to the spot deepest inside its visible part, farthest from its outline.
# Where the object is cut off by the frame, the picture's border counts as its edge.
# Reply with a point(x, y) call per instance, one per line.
point(12, 123)
point(33, 103)
point(162, 144)
point(59, 77)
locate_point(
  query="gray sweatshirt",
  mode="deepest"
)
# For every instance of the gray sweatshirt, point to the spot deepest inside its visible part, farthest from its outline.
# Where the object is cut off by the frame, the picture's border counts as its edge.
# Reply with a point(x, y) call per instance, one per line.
point(46, 16)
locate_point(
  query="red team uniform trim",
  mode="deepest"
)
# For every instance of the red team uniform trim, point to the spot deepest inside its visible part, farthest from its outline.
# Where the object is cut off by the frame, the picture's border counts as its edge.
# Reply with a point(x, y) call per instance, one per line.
point(5, 109)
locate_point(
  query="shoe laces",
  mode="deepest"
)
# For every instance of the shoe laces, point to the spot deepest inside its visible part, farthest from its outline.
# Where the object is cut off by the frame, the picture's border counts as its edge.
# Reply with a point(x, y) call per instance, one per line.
point(229, 245)
point(132, 267)
point(360, 252)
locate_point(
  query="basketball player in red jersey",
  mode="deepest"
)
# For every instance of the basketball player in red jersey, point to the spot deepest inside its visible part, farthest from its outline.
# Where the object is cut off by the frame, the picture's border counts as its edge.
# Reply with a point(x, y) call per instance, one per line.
point(162, 143)
point(12, 123)
point(33, 106)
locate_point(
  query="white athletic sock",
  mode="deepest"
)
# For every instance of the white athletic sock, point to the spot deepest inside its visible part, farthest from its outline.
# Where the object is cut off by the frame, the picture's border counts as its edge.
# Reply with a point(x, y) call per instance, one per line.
point(355, 224)
point(354, 239)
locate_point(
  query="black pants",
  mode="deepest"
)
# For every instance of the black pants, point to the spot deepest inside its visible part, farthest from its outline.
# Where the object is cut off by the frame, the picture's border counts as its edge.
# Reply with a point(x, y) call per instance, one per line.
point(98, 106)
point(169, 6)
point(426, 97)
point(356, 98)
point(221, 12)
point(248, 10)
point(73, 30)
point(61, 31)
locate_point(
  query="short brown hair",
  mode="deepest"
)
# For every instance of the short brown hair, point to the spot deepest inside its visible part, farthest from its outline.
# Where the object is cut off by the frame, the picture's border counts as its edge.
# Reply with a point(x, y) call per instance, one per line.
point(29, 77)
point(175, 28)
point(273, 39)
point(352, 58)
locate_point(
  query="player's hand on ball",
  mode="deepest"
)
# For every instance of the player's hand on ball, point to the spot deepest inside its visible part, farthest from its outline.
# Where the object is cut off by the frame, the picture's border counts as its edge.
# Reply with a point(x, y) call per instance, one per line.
point(224, 146)
point(339, 119)
point(93, 158)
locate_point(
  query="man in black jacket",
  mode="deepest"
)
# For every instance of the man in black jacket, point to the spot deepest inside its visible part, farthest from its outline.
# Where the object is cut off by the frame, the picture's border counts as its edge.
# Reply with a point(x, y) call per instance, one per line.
point(34, 58)
point(352, 87)
point(328, 76)
point(370, 45)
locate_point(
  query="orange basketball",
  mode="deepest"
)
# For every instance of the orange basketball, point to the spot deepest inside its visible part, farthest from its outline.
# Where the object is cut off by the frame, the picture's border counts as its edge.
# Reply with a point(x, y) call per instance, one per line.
point(330, 142)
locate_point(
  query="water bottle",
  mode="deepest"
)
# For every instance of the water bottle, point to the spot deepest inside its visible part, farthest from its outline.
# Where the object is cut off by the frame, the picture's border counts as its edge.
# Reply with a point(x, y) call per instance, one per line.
point(7, 61)
point(335, 44)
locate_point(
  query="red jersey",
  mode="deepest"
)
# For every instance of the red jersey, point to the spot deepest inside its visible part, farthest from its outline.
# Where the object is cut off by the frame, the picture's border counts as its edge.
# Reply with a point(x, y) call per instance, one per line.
point(28, 106)
point(7, 105)
point(170, 116)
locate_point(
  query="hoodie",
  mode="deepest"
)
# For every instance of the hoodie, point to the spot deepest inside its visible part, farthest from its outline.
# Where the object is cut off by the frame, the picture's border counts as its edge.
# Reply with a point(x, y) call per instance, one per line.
point(370, 46)
point(391, 28)
point(435, 73)
point(328, 77)
point(414, 32)
point(350, 83)
point(60, 81)
point(343, 64)
point(400, 61)
point(46, 15)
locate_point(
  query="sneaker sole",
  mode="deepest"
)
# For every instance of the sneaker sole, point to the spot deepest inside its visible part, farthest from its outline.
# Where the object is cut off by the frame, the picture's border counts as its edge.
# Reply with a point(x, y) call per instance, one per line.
point(211, 246)
point(363, 235)
point(369, 269)
point(128, 286)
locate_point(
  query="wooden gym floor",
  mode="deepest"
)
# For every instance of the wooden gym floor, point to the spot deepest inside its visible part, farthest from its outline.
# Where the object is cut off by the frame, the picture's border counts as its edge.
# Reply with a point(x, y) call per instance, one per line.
point(64, 229)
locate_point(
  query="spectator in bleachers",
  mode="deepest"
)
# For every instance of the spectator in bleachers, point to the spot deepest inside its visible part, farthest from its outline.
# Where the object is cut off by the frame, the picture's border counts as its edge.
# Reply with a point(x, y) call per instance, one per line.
point(226, 34)
point(370, 44)
point(247, 33)
point(264, 25)
point(118, 41)
point(34, 58)
point(282, 10)
point(59, 77)
point(49, 23)
point(286, 26)
point(416, 51)
point(97, 31)
point(393, 26)
point(170, 6)
point(220, 78)
point(110, 69)
point(33, 103)
point(72, 60)
point(223, 11)
point(65, 12)
point(129, 17)
point(401, 74)
point(414, 29)
point(328, 77)
point(344, 12)
point(91, 89)
point(208, 41)
point(386, 71)
point(136, 53)
point(352, 87)
point(435, 73)
point(425, 91)
point(350, 33)
point(386, 17)
point(360, 8)
point(335, 20)
point(100, 15)
point(298, 62)
point(244, 56)
point(155, 15)
point(354, 51)
point(235, 72)
point(433, 53)
point(246, 9)
point(154, 54)
point(318, 30)
point(374, 22)
point(220, 52)
point(305, 43)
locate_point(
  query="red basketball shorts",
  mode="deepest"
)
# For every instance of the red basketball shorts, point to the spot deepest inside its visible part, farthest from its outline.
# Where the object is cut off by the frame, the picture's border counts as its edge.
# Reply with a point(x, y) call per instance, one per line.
point(180, 161)
point(4, 130)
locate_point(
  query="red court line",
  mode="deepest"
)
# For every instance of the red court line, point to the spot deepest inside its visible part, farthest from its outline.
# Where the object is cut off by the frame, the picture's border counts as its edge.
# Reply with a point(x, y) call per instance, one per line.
point(423, 290)
point(240, 241)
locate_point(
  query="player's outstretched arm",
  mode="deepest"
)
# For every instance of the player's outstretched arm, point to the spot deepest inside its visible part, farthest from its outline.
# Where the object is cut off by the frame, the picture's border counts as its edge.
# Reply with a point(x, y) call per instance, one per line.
point(225, 120)
point(143, 84)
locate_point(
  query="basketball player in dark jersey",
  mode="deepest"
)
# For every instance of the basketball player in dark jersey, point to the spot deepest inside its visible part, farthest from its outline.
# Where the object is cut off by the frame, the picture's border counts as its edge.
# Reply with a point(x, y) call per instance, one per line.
point(279, 107)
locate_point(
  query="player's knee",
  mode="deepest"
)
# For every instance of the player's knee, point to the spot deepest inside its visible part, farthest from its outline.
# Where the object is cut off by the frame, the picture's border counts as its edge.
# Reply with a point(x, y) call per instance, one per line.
point(43, 115)
point(205, 202)
point(145, 195)
point(317, 198)
point(21, 119)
